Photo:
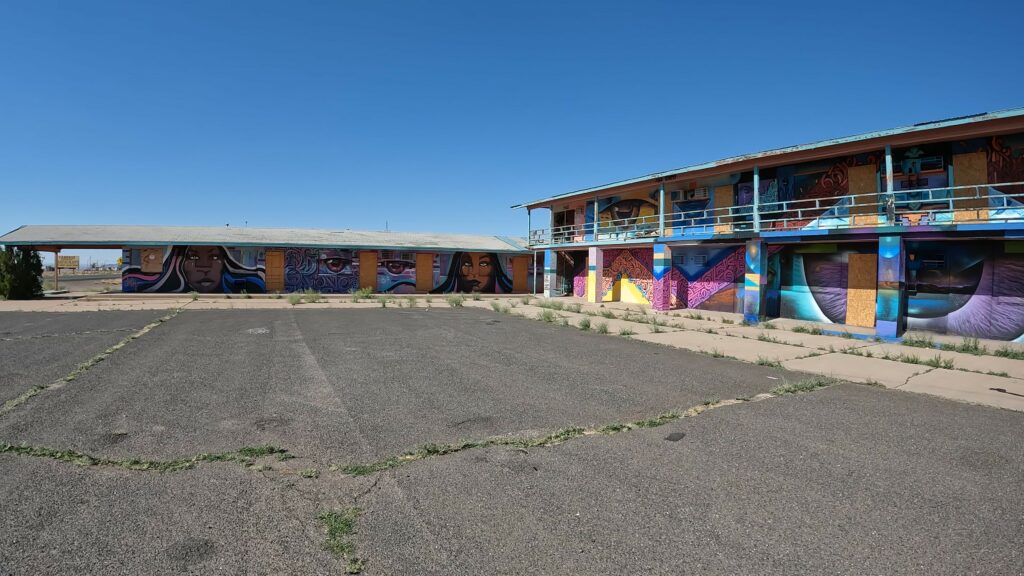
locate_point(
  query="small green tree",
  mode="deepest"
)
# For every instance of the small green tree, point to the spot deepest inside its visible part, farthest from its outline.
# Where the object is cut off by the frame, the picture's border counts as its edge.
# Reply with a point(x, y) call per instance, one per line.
point(20, 273)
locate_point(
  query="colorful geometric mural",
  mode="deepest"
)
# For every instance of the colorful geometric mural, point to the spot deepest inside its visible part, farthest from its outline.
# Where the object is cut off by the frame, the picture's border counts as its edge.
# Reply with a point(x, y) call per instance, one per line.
point(203, 269)
point(629, 275)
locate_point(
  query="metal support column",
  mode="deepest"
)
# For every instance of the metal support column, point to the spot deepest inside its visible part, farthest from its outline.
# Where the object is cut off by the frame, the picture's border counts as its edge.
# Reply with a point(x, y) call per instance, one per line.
point(661, 209)
point(757, 201)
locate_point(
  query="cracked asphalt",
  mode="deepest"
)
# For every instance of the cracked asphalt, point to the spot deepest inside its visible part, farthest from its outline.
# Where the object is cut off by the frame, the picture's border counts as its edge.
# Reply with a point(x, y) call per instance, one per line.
point(846, 480)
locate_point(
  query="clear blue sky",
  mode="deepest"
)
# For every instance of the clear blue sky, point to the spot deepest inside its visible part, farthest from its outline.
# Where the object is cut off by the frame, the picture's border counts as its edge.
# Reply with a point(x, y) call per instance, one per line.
point(439, 115)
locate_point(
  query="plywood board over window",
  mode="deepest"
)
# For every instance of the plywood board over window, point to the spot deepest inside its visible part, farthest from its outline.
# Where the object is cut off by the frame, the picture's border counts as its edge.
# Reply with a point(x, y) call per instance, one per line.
point(863, 180)
point(862, 289)
point(723, 199)
point(970, 169)
point(274, 262)
point(424, 272)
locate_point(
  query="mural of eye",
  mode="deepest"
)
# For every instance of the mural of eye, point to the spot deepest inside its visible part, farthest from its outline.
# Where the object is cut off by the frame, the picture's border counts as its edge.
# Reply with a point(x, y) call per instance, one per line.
point(336, 264)
point(625, 209)
point(397, 267)
point(826, 279)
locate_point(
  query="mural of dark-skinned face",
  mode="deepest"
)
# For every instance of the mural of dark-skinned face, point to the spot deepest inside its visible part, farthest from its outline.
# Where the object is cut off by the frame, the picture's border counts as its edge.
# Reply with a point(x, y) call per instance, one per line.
point(203, 267)
point(477, 272)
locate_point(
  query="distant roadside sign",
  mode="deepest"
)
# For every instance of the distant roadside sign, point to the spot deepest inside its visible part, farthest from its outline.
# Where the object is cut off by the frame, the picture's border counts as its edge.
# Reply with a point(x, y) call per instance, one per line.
point(67, 262)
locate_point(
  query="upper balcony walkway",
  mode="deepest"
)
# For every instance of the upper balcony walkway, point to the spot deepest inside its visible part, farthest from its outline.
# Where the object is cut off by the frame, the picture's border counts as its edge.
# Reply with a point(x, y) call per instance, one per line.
point(976, 207)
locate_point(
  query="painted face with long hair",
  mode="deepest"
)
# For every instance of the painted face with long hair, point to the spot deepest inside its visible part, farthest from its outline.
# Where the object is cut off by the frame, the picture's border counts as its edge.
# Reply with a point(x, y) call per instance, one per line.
point(477, 272)
point(203, 267)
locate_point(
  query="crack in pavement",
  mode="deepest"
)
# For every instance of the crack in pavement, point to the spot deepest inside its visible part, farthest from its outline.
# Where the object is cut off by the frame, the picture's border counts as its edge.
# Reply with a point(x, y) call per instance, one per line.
point(59, 334)
point(84, 366)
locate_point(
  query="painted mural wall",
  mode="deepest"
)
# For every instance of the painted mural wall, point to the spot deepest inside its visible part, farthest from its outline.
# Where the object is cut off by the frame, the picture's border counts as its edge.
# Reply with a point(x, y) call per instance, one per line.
point(628, 275)
point(203, 269)
point(613, 212)
point(337, 271)
point(814, 281)
point(967, 288)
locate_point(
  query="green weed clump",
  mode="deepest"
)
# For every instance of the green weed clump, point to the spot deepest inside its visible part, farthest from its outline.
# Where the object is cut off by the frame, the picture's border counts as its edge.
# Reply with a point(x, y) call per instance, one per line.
point(364, 293)
point(807, 385)
point(922, 341)
point(475, 296)
point(295, 299)
point(762, 361)
point(601, 327)
point(455, 300)
point(499, 307)
point(967, 346)
point(340, 525)
point(311, 296)
point(626, 332)
point(584, 324)
point(547, 315)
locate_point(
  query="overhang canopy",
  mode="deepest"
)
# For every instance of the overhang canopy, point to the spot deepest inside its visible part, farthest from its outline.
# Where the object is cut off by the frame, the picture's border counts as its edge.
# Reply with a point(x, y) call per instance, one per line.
point(88, 236)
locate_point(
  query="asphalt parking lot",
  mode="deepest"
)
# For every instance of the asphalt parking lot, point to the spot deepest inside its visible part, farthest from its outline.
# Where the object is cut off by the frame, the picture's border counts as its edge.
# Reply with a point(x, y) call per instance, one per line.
point(848, 479)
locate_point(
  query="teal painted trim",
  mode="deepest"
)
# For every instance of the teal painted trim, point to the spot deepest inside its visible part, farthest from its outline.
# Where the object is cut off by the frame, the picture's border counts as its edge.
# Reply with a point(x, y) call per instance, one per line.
point(921, 127)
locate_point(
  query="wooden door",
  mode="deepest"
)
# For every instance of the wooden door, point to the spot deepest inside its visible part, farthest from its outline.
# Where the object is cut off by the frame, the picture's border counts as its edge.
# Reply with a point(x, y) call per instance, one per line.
point(275, 270)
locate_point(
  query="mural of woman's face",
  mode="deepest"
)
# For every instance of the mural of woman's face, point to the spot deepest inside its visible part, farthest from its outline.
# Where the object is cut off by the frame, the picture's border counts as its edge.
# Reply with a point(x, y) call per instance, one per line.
point(203, 267)
point(477, 272)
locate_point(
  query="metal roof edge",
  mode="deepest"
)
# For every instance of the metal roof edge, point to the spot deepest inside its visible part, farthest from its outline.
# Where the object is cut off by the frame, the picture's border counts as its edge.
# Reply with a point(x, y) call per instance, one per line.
point(918, 127)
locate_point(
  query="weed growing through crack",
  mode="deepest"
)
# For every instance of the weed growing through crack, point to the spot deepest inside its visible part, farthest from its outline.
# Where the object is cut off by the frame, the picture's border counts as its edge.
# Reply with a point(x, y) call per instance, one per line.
point(455, 301)
point(1003, 374)
point(802, 329)
point(364, 293)
point(311, 296)
point(547, 315)
point(584, 324)
point(526, 300)
point(194, 295)
point(608, 314)
point(410, 301)
point(767, 338)
point(339, 526)
point(626, 332)
point(499, 307)
point(711, 401)
point(295, 299)
point(575, 307)
point(728, 321)
point(939, 362)
point(601, 327)
point(922, 341)
point(694, 316)
point(768, 326)
point(1011, 353)
point(762, 361)
point(309, 473)
point(807, 385)
point(244, 456)
point(656, 329)
point(967, 346)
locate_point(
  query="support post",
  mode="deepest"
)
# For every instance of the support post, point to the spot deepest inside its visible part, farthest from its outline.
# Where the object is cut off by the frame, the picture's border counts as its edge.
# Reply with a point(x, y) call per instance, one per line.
point(550, 274)
point(661, 209)
point(888, 169)
point(889, 305)
point(661, 300)
point(533, 276)
point(529, 228)
point(754, 280)
point(757, 199)
point(597, 216)
point(595, 271)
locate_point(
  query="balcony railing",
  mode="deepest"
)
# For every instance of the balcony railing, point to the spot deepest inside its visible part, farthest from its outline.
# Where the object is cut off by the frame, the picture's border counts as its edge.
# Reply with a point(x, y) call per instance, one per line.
point(976, 204)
